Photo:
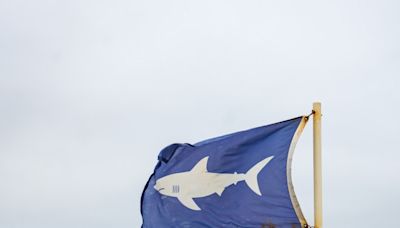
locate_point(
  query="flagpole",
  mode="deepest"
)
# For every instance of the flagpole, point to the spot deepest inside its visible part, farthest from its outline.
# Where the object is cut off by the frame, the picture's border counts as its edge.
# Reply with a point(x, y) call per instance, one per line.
point(317, 165)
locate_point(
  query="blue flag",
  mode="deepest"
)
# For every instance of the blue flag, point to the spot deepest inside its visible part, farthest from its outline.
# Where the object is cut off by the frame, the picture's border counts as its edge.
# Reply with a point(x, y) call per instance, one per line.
point(238, 180)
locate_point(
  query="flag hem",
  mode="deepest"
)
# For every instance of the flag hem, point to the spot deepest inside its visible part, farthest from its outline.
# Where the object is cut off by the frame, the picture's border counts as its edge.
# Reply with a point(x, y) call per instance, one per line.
point(292, 194)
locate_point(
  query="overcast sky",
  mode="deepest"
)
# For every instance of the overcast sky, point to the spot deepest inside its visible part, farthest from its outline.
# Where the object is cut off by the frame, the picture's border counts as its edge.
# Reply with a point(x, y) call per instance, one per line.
point(91, 91)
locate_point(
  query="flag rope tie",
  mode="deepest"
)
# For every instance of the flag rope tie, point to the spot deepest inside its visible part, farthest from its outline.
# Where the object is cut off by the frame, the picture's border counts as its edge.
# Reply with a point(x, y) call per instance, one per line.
point(312, 113)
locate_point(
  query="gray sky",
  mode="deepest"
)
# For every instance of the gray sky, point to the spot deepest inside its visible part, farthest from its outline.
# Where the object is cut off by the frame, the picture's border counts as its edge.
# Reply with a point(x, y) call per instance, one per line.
point(90, 91)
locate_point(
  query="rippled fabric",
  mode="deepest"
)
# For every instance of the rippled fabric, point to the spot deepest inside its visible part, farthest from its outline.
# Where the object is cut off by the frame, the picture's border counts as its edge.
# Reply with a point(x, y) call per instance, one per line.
point(238, 205)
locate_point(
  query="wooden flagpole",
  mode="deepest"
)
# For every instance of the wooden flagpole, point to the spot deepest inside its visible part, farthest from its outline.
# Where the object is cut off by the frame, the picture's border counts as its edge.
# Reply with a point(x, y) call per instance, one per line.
point(317, 165)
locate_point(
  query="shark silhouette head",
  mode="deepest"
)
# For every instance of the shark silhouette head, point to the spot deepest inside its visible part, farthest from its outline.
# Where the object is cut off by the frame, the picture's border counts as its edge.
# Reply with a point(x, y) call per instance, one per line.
point(167, 186)
point(198, 182)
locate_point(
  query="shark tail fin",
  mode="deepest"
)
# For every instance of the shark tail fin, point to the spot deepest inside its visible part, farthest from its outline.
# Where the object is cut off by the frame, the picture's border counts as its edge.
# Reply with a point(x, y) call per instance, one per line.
point(252, 174)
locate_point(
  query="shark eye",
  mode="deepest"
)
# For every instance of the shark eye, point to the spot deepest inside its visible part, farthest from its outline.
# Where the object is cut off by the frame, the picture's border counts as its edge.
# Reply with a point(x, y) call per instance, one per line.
point(175, 188)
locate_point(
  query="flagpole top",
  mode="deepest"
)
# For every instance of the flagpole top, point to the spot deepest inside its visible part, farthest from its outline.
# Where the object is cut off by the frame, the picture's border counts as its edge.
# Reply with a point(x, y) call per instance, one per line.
point(315, 104)
point(316, 108)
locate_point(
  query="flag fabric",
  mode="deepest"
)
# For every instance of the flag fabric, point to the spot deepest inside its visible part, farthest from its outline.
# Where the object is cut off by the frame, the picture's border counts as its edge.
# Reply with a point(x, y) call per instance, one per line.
point(241, 179)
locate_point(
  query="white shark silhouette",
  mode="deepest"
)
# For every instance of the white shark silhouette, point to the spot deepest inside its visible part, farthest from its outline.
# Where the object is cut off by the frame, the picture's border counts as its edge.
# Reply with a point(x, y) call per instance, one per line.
point(198, 182)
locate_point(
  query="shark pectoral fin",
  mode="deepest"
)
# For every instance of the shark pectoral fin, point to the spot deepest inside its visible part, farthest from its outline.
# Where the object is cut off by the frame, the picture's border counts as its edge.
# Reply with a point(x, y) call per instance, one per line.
point(219, 191)
point(189, 203)
point(201, 166)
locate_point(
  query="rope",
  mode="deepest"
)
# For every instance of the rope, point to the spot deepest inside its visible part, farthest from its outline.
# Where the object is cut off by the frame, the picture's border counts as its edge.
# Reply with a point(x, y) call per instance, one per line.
point(312, 113)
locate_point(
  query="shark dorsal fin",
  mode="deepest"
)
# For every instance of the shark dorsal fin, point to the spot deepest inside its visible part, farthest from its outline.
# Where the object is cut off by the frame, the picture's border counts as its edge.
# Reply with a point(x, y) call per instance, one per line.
point(201, 166)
